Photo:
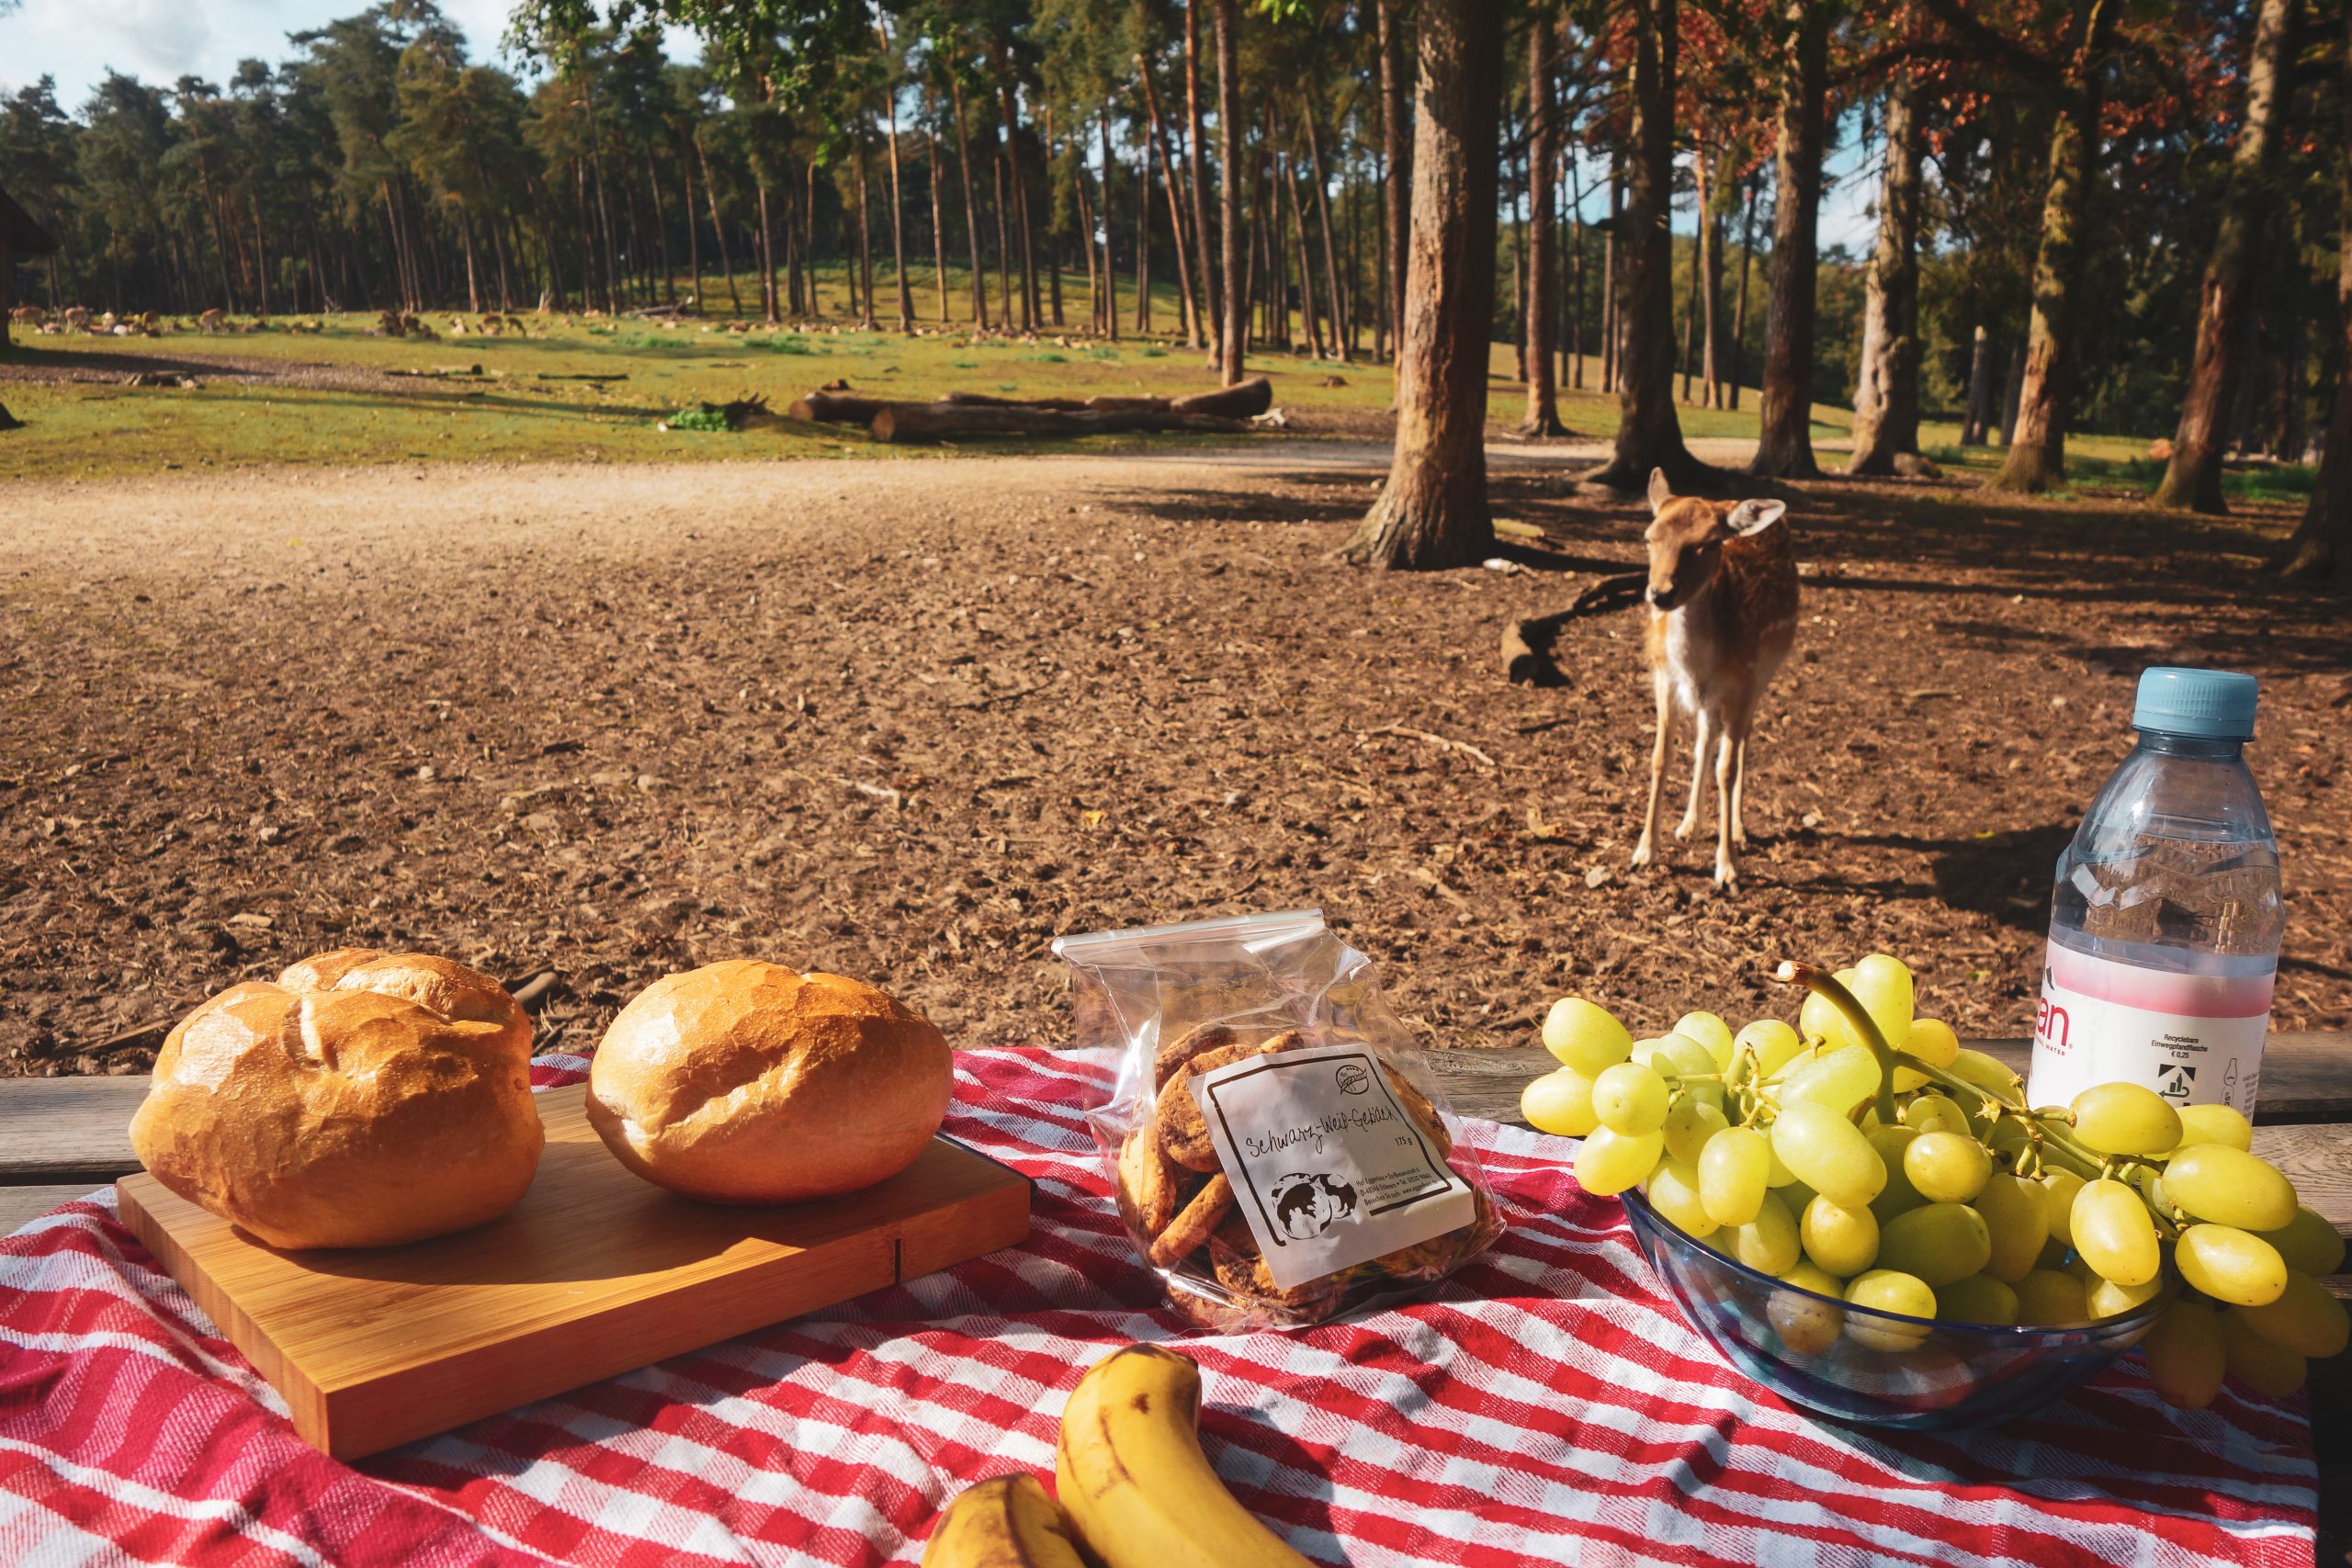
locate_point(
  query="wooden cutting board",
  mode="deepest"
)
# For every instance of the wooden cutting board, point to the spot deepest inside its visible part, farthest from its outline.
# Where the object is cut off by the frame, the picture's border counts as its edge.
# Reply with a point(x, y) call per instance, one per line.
point(595, 1272)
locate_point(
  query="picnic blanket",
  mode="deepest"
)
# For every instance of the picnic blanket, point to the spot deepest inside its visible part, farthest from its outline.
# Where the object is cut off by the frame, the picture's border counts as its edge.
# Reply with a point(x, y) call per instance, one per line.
point(1547, 1405)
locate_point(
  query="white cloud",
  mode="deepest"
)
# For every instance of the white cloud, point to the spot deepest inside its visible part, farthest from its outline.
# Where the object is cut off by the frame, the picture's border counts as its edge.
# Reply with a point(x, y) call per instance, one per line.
point(77, 41)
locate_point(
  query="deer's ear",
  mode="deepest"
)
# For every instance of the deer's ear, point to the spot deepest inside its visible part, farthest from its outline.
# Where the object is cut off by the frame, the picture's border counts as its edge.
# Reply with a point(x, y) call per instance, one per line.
point(1751, 517)
point(1659, 493)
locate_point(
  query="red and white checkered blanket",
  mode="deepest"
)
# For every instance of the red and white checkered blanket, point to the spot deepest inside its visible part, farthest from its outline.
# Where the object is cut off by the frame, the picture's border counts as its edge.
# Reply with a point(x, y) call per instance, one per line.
point(1547, 1405)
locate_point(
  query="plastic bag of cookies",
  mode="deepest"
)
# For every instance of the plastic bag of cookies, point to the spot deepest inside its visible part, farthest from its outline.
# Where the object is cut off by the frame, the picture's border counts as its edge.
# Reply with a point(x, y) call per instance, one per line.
point(1279, 1152)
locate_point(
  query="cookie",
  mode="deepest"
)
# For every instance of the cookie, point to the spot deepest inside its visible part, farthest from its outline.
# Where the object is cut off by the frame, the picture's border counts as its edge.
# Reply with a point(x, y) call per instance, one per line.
point(1191, 1043)
point(1183, 1131)
point(1192, 1227)
point(1149, 1185)
point(1421, 1113)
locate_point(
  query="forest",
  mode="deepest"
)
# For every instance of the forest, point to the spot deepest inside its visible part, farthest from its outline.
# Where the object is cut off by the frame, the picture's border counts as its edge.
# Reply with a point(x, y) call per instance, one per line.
point(2087, 215)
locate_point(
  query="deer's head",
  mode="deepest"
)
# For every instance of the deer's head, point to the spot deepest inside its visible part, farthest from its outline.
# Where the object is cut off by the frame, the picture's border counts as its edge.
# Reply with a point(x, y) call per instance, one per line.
point(1687, 537)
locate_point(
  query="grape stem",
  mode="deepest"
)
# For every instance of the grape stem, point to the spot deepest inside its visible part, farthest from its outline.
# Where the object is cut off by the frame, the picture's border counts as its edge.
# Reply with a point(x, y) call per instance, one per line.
point(1826, 985)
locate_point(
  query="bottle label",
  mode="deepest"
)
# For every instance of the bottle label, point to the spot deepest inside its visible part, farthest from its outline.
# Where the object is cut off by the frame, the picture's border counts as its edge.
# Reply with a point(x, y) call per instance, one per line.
point(2195, 1040)
point(1329, 1166)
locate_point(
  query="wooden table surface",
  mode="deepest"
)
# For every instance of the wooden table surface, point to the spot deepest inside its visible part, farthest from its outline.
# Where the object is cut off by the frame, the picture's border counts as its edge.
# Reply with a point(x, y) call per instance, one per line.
point(61, 1138)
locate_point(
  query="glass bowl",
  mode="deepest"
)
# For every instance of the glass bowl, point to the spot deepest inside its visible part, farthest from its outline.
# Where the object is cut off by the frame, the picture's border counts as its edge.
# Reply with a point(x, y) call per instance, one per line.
point(1872, 1368)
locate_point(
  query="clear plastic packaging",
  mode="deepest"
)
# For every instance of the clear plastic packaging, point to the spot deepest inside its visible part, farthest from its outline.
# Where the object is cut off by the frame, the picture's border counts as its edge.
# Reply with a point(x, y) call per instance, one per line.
point(1280, 1152)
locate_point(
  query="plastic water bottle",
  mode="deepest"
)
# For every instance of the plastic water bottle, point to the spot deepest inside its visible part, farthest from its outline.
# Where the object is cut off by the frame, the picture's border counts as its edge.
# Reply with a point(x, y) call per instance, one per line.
point(2165, 919)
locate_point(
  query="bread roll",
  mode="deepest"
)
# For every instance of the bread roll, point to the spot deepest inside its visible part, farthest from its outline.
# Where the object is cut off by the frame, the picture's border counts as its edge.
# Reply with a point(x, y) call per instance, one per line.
point(745, 1082)
point(362, 1101)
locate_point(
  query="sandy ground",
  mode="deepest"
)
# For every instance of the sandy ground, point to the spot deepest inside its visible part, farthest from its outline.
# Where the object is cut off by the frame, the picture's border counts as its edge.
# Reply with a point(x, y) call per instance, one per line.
point(910, 721)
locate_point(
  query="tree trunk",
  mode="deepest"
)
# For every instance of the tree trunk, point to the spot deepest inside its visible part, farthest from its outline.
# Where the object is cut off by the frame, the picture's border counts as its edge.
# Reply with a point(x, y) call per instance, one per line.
point(897, 205)
point(718, 226)
point(767, 260)
point(971, 208)
point(1649, 435)
point(1332, 297)
point(1110, 276)
point(2286, 443)
point(1711, 279)
point(1514, 175)
point(1143, 243)
point(1053, 251)
point(1009, 94)
point(938, 223)
point(1432, 513)
point(662, 229)
point(1396, 149)
point(693, 243)
point(1543, 163)
point(1197, 154)
point(1784, 443)
point(1576, 276)
point(1229, 134)
point(1886, 402)
point(1085, 222)
point(1609, 248)
point(1004, 237)
point(2012, 389)
point(2193, 477)
point(1193, 335)
point(2321, 549)
point(864, 233)
point(1983, 397)
point(2037, 458)
point(473, 280)
point(1288, 174)
point(1740, 310)
point(1689, 351)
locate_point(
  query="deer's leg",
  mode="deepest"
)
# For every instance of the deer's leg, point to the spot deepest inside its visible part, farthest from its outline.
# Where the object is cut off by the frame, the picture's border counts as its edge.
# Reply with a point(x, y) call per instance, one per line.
point(1701, 745)
point(1739, 790)
point(1658, 766)
point(1727, 749)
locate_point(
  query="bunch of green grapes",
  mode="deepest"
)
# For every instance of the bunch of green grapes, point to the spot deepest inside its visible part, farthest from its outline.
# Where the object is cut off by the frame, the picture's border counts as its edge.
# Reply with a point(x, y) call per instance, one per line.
point(1863, 1155)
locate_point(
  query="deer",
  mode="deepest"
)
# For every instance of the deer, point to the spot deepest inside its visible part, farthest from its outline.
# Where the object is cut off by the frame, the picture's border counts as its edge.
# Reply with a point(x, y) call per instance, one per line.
point(1723, 599)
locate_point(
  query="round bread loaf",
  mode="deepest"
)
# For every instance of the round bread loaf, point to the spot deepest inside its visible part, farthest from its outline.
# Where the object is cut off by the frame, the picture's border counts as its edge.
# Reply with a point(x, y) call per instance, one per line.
point(745, 1082)
point(365, 1100)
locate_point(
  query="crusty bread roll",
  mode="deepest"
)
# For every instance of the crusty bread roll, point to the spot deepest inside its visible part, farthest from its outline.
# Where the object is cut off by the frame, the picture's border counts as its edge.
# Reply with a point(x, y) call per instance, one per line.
point(362, 1101)
point(745, 1082)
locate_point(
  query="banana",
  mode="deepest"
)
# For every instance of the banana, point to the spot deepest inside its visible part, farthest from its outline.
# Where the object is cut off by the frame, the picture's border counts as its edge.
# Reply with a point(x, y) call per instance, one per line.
point(1132, 1478)
point(1005, 1523)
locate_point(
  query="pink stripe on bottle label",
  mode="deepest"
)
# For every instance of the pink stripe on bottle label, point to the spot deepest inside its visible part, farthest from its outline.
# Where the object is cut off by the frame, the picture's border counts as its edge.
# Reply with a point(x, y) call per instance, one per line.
point(2194, 1039)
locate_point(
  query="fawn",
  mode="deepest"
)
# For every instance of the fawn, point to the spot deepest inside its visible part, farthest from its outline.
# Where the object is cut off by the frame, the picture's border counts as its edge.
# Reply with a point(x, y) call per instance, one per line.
point(1723, 596)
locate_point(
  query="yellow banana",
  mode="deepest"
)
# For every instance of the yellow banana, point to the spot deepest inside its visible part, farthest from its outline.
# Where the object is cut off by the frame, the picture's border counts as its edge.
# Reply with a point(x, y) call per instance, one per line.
point(1005, 1523)
point(1132, 1478)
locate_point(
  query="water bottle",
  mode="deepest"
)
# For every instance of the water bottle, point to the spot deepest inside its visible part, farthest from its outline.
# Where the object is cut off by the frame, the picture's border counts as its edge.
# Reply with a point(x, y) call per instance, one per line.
point(2165, 919)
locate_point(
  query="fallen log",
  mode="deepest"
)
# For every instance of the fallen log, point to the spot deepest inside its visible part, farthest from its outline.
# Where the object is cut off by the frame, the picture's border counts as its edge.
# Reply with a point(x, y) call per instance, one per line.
point(1246, 400)
point(916, 424)
point(836, 407)
point(1527, 644)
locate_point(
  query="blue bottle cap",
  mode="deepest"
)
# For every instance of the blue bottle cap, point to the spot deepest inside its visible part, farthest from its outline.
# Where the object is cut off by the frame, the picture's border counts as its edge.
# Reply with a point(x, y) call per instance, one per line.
point(2211, 704)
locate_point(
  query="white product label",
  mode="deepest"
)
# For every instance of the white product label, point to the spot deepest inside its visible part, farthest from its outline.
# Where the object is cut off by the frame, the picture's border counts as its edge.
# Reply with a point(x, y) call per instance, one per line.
point(1327, 1167)
point(2194, 1040)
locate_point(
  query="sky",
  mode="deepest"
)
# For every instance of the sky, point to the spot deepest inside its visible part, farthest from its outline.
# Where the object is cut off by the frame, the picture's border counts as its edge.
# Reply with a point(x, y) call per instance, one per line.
point(160, 41)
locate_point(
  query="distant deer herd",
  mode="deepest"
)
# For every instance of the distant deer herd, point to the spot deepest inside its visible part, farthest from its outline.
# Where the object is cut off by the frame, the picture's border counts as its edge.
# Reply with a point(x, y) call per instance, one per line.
point(74, 319)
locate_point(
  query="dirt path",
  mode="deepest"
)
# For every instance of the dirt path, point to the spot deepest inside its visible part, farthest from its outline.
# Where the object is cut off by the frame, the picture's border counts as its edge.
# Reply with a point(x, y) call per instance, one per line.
point(910, 720)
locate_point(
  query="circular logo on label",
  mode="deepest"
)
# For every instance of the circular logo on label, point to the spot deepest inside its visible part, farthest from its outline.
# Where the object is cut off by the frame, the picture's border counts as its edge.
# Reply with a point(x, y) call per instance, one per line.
point(1352, 1077)
point(1306, 1206)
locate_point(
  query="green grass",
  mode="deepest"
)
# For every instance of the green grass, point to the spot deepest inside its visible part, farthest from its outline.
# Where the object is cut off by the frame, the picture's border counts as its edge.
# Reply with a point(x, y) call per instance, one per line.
point(2112, 463)
point(529, 403)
